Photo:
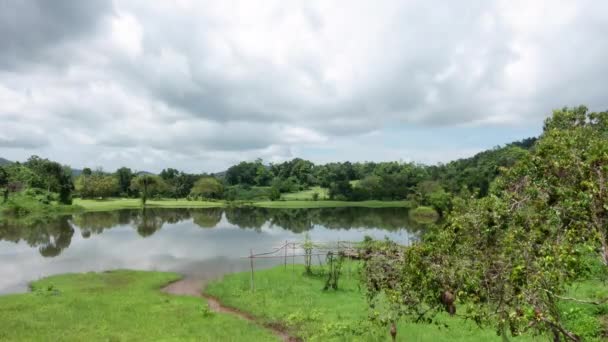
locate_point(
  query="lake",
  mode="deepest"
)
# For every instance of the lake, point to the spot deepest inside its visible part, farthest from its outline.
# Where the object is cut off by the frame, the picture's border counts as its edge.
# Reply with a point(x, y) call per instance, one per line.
point(199, 243)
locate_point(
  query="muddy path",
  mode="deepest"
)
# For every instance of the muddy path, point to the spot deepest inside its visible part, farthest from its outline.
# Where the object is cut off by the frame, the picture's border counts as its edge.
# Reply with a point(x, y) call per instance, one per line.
point(193, 287)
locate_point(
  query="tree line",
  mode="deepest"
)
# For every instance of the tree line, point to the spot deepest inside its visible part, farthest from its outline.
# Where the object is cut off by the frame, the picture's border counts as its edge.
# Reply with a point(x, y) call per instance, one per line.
point(433, 185)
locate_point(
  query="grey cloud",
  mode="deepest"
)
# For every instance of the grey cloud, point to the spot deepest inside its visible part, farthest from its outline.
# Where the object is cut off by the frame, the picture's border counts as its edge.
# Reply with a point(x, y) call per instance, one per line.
point(30, 29)
point(270, 80)
point(23, 142)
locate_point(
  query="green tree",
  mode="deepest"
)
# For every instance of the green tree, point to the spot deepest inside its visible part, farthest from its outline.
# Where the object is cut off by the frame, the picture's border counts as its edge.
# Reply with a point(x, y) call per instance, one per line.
point(507, 259)
point(124, 175)
point(263, 176)
point(96, 185)
point(208, 187)
point(53, 177)
point(4, 183)
point(146, 185)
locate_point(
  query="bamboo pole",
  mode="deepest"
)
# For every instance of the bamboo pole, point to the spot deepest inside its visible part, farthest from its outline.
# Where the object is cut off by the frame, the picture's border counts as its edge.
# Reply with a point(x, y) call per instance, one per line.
point(293, 257)
point(285, 247)
point(251, 263)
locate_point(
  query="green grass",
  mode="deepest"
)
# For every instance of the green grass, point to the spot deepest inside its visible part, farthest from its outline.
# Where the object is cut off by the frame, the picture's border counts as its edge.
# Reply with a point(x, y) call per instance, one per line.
point(288, 297)
point(306, 195)
point(116, 306)
point(135, 203)
point(33, 207)
point(424, 214)
point(589, 321)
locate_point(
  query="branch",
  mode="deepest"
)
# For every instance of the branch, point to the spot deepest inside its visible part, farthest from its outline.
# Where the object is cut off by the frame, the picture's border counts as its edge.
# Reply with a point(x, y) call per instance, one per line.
point(565, 332)
point(582, 301)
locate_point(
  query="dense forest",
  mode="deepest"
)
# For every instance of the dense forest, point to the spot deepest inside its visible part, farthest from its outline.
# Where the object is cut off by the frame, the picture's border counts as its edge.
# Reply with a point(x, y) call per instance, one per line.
point(434, 186)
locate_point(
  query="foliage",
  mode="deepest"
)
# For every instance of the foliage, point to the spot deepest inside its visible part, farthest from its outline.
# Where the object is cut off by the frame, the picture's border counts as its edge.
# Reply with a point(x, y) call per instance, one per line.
point(208, 187)
point(477, 173)
point(124, 175)
point(4, 184)
point(96, 185)
point(308, 246)
point(507, 259)
point(290, 298)
point(147, 185)
point(246, 193)
point(179, 183)
point(334, 265)
point(431, 193)
point(247, 173)
point(424, 214)
point(53, 177)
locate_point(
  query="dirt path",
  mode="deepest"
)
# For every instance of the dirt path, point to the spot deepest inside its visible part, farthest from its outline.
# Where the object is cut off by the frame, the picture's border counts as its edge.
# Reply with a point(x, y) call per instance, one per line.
point(193, 287)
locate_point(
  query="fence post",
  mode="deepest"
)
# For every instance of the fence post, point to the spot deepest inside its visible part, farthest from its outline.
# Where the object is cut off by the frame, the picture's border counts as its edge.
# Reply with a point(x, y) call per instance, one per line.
point(285, 248)
point(251, 263)
point(293, 257)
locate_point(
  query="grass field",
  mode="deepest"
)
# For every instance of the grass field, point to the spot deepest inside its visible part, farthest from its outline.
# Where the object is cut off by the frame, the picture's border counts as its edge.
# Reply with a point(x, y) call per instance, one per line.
point(306, 195)
point(288, 297)
point(134, 203)
point(116, 306)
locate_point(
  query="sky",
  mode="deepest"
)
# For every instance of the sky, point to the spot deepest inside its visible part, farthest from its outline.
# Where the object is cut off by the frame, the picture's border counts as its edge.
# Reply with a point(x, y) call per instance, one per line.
point(201, 85)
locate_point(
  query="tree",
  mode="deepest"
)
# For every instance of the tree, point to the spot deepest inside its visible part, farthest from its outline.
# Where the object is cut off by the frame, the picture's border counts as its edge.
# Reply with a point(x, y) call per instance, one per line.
point(208, 187)
point(4, 183)
point(53, 177)
point(124, 175)
point(146, 185)
point(431, 193)
point(96, 185)
point(341, 190)
point(508, 258)
point(243, 173)
point(263, 175)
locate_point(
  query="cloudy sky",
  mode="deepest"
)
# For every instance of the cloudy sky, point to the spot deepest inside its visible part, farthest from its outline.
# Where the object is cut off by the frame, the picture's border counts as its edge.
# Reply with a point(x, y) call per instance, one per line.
point(199, 85)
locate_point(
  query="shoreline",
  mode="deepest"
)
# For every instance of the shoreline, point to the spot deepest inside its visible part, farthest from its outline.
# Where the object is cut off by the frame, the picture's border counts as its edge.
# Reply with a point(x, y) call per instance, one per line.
point(119, 204)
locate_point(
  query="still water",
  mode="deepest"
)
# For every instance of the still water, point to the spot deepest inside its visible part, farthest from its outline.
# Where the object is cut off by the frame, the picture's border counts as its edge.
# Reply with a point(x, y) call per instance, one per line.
point(199, 243)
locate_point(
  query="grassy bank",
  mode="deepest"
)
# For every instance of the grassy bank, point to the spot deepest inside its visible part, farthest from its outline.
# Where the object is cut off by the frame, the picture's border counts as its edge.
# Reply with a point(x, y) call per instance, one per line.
point(131, 203)
point(288, 297)
point(424, 214)
point(306, 195)
point(332, 204)
point(135, 203)
point(32, 208)
point(116, 306)
point(291, 298)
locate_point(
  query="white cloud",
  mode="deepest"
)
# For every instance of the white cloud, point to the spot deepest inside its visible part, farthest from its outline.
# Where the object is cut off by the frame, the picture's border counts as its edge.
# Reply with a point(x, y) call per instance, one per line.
point(205, 84)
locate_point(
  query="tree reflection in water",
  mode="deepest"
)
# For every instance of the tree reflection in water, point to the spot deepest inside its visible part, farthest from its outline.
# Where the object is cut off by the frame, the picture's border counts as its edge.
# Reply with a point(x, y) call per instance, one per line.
point(53, 235)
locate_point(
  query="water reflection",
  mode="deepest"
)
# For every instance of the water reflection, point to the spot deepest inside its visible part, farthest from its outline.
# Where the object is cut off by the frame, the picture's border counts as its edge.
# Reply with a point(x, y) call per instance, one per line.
point(51, 236)
point(197, 242)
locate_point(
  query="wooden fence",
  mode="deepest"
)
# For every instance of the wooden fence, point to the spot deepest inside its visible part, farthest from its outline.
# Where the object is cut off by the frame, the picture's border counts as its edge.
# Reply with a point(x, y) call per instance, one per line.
point(293, 249)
